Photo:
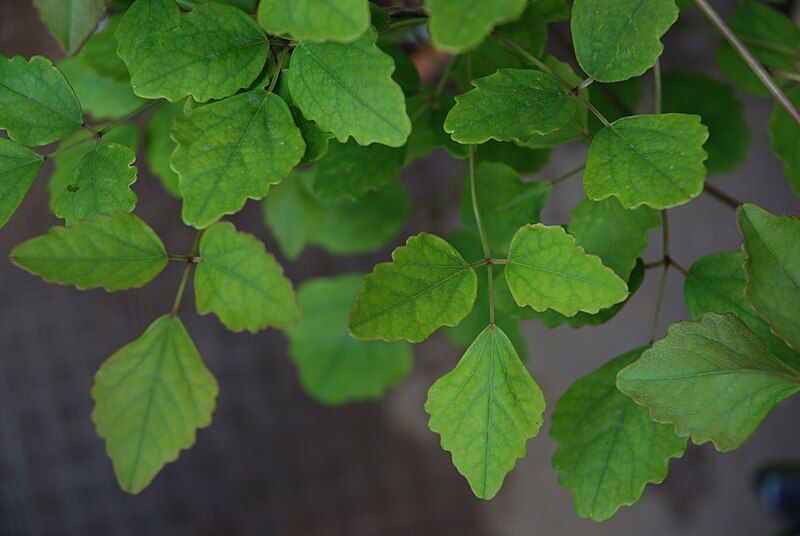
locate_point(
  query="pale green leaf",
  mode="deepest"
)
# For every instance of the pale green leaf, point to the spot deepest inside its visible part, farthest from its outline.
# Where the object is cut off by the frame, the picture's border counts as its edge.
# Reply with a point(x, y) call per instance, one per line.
point(547, 270)
point(298, 217)
point(214, 51)
point(19, 167)
point(71, 21)
point(427, 285)
point(99, 184)
point(114, 252)
point(618, 39)
point(241, 283)
point(654, 160)
point(784, 137)
point(100, 97)
point(772, 268)
point(348, 90)
point(150, 398)
point(37, 105)
point(720, 111)
point(232, 150)
point(615, 234)
point(486, 410)
point(158, 145)
point(459, 25)
point(70, 154)
point(349, 170)
point(334, 367)
point(505, 204)
point(141, 27)
point(315, 20)
point(715, 284)
point(100, 53)
point(713, 379)
point(608, 447)
point(510, 105)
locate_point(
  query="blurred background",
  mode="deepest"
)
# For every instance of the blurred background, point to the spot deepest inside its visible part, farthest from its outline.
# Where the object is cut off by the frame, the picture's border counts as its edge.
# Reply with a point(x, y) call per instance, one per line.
point(274, 461)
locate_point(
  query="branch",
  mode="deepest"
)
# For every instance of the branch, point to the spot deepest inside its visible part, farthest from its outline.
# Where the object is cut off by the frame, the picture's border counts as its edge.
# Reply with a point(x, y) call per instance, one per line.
point(721, 196)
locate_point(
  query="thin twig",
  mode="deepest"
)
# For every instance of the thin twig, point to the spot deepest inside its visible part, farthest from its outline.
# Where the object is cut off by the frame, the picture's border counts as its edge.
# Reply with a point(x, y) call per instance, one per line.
point(191, 261)
point(666, 261)
point(568, 174)
point(657, 87)
point(749, 59)
point(721, 196)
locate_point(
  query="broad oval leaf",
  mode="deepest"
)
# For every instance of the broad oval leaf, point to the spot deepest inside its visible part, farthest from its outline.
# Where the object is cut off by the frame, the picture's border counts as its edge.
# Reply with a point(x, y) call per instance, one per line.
point(232, 150)
point(510, 105)
point(772, 268)
point(427, 285)
point(100, 53)
point(315, 20)
point(19, 166)
point(71, 21)
point(141, 27)
point(115, 252)
point(348, 90)
point(37, 105)
point(713, 379)
point(609, 448)
point(241, 283)
point(486, 409)
point(150, 398)
point(214, 51)
point(654, 160)
point(459, 25)
point(784, 138)
point(334, 367)
point(619, 39)
point(99, 184)
point(349, 170)
point(100, 97)
point(547, 270)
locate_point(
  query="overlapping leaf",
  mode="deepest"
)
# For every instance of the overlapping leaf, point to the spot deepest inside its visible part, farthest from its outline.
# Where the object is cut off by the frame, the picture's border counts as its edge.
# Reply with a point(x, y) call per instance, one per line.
point(334, 367)
point(608, 447)
point(159, 145)
point(100, 97)
point(427, 285)
point(241, 283)
point(232, 150)
point(784, 137)
point(459, 25)
point(19, 166)
point(713, 379)
point(485, 410)
point(114, 252)
point(100, 53)
point(150, 398)
point(71, 21)
point(654, 160)
point(141, 27)
point(349, 170)
point(348, 90)
point(547, 270)
point(315, 20)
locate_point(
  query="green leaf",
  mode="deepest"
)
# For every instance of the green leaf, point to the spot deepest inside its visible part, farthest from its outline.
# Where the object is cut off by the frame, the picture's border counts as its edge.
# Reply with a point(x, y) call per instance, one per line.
point(100, 53)
point(349, 170)
point(547, 270)
point(347, 89)
point(428, 133)
point(713, 379)
point(618, 39)
point(784, 137)
point(241, 283)
point(315, 20)
point(141, 27)
point(428, 285)
point(715, 284)
point(150, 398)
point(70, 154)
point(232, 150)
point(608, 447)
point(317, 141)
point(485, 410)
point(405, 72)
point(100, 97)
point(71, 21)
point(504, 202)
point(37, 106)
point(510, 105)
point(99, 184)
point(772, 268)
point(654, 160)
point(158, 145)
point(521, 159)
point(334, 367)
point(214, 51)
point(114, 252)
point(615, 234)
point(298, 217)
point(720, 111)
point(19, 167)
point(459, 25)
